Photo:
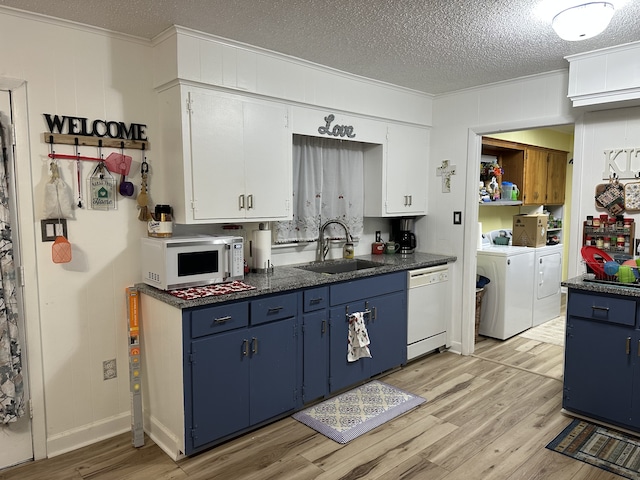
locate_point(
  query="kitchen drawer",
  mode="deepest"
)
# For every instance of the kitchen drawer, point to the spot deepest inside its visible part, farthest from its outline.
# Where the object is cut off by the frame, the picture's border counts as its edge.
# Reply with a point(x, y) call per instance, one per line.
point(603, 308)
point(315, 299)
point(268, 309)
point(367, 287)
point(210, 320)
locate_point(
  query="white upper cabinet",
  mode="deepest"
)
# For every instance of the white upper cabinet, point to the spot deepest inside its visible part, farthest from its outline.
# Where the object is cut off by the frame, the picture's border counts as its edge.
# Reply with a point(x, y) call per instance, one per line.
point(397, 185)
point(235, 161)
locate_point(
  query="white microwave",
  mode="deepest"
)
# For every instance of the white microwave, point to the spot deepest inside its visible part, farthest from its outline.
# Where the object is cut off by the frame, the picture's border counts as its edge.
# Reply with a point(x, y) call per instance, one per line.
point(169, 263)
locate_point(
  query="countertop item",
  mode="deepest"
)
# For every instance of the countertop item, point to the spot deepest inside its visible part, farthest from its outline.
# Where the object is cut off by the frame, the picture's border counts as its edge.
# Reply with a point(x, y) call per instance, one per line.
point(288, 277)
point(580, 283)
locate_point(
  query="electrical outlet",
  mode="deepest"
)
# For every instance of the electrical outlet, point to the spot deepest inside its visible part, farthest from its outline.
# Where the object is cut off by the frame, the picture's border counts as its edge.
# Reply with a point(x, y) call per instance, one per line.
point(109, 369)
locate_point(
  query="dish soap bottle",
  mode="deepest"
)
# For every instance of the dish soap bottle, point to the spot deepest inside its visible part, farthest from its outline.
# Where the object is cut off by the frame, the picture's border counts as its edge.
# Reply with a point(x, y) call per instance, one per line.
point(348, 251)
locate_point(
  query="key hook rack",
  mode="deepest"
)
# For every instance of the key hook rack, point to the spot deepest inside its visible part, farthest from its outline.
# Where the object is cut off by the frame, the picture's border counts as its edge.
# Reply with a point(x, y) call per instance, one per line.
point(65, 139)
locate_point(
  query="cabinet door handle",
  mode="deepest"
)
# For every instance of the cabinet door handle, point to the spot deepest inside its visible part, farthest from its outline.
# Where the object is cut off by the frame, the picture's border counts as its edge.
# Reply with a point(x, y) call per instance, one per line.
point(220, 320)
point(323, 328)
point(628, 346)
point(249, 201)
point(410, 200)
point(245, 347)
point(254, 345)
point(274, 310)
point(241, 202)
point(639, 348)
point(315, 301)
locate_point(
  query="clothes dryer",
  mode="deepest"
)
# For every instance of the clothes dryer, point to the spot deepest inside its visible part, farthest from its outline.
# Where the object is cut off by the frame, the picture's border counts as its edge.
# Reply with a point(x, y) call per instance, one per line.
point(508, 299)
point(547, 288)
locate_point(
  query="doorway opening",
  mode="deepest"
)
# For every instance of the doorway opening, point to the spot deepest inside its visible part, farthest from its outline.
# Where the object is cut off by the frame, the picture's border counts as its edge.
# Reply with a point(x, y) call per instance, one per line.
point(534, 167)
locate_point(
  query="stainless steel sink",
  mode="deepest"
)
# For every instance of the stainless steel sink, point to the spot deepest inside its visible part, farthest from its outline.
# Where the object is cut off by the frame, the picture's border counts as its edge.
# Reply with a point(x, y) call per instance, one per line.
point(338, 266)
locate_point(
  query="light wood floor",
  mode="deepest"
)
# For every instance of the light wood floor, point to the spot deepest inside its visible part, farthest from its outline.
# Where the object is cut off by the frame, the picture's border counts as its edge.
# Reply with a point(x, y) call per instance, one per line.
point(488, 416)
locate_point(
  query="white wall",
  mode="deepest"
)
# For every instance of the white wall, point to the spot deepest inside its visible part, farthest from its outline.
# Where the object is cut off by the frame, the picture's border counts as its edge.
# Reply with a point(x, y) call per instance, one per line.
point(459, 119)
point(595, 133)
point(69, 70)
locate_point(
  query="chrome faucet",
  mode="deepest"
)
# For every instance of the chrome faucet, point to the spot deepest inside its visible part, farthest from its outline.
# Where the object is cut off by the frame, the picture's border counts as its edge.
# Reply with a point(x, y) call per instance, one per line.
point(324, 245)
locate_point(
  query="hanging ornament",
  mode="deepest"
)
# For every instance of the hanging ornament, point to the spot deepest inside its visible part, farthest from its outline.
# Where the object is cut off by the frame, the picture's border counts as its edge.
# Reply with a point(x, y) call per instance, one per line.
point(61, 250)
point(143, 197)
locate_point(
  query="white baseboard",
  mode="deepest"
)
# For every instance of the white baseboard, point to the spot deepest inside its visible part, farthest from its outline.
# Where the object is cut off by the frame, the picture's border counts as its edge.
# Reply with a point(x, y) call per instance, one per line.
point(88, 434)
point(164, 438)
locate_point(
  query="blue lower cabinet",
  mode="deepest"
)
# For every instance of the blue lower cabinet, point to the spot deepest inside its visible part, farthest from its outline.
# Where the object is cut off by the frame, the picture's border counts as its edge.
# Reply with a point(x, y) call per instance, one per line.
point(315, 333)
point(240, 378)
point(220, 388)
point(272, 372)
point(388, 332)
point(602, 358)
point(343, 373)
point(383, 300)
point(598, 372)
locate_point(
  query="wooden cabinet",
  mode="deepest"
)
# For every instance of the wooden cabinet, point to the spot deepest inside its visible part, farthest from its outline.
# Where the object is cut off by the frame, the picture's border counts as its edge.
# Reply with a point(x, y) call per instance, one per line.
point(545, 173)
point(384, 301)
point(397, 185)
point(227, 157)
point(540, 173)
point(602, 358)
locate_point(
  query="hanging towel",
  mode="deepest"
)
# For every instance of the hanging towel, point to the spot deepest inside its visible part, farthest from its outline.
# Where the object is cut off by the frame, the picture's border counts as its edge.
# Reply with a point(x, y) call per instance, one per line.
point(358, 338)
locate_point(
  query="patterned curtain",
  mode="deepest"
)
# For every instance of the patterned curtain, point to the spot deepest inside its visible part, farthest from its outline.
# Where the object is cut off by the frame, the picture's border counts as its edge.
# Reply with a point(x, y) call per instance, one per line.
point(11, 385)
point(328, 183)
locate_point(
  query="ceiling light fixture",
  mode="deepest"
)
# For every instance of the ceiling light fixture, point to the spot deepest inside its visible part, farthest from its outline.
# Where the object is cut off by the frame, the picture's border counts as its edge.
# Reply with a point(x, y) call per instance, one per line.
point(583, 21)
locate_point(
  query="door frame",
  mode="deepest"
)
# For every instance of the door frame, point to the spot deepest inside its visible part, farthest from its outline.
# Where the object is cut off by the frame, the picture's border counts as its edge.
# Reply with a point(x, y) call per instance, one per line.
point(470, 243)
point(26, 226)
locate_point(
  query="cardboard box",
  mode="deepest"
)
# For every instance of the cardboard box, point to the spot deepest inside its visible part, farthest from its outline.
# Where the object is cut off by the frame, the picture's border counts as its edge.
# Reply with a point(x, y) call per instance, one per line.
point(530, 230)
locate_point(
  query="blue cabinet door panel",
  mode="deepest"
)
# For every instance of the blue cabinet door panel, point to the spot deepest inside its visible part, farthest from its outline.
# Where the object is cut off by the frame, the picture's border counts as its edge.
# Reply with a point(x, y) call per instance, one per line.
point(388, 332)
point(219, 387)
point(273, 370)
point(315, 332)
point(598, 370)
point(342, 372)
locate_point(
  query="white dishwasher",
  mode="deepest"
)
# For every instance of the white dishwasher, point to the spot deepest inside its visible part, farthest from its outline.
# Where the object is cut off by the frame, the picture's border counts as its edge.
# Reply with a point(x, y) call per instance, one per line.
point(429, 310)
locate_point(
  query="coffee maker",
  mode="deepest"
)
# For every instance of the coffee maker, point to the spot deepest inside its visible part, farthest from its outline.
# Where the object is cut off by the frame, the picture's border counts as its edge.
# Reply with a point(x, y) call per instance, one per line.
point(406, 237)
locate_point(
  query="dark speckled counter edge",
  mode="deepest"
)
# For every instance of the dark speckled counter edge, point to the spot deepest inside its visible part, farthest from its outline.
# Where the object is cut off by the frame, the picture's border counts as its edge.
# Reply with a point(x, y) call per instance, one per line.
point(288, 278)
point(579, 283)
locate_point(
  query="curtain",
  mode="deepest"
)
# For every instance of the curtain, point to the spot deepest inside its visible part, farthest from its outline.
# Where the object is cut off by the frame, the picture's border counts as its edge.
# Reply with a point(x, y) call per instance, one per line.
point(11, 384)
point(328, 183)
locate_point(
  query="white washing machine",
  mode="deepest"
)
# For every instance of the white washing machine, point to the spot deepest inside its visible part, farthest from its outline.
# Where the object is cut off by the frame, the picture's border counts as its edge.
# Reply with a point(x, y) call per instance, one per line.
point(547, 289)
point(508, 299)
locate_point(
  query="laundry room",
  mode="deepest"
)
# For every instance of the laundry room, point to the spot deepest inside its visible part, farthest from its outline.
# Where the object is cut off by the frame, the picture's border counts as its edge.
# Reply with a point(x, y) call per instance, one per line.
point(525, 177)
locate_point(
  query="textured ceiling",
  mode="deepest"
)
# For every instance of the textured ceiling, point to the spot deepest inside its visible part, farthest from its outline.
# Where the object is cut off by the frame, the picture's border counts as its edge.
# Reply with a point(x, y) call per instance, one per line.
point(434, 46)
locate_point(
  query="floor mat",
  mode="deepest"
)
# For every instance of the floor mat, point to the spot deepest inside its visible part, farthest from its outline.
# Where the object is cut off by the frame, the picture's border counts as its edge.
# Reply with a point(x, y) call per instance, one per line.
point(350, 414)
point(602, 447)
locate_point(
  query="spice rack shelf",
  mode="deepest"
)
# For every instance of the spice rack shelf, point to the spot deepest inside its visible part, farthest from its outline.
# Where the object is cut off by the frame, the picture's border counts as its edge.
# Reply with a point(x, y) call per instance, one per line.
point(609, 237)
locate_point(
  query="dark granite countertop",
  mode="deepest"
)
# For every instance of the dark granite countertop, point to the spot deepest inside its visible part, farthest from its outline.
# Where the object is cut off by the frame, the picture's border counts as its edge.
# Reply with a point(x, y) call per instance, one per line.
point(288, 278)
point(579, 283)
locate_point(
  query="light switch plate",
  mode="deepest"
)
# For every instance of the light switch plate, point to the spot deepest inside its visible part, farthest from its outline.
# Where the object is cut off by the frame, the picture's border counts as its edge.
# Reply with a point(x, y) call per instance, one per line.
point(457, 218)
point(52, 228)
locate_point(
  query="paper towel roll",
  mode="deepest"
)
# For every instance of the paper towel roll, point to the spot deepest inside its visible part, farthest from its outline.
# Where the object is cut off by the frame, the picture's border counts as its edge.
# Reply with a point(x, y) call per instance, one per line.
point(261, 250)
point(479, 235)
